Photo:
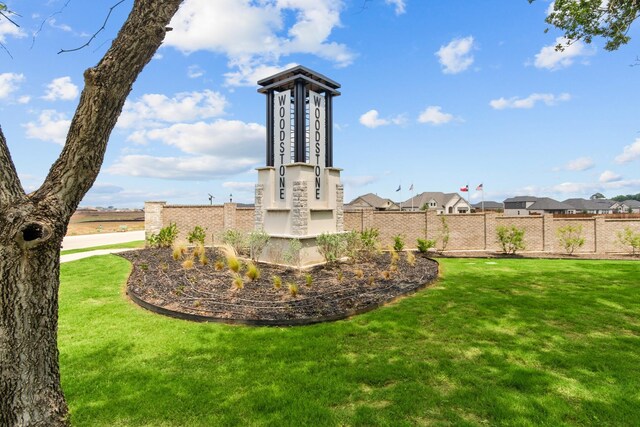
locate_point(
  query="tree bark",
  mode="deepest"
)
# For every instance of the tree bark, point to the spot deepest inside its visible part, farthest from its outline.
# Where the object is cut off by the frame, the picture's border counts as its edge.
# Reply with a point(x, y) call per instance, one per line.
point(32, 226)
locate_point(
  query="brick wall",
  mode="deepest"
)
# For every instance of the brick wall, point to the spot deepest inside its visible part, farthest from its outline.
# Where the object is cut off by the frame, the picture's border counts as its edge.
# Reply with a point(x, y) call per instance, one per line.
point(466, 231)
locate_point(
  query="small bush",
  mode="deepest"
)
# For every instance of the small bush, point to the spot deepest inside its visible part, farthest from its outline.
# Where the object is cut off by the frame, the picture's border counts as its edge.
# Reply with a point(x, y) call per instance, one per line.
point(188, 264)
point(236, 239)
point(218, 265)
point(293, 289)
point(291, 255)
point(237, 281)
point(340, 276)
point(178, 251)
point(570, 237)
point(165, 237)
point(352, 245)
point(277, 282)
point(308, 278)
point(370, 242)
point(258, 240)
point(233, 263)
point(252, 272)
point(630, 239)
point(198, 250)
point(359, 274)
point(411, 258)
point(331, 246)
point(424, 245)
point(511, 239)
point(197, 235)
point(386, 275)
point(444, 233)
point(398, 242)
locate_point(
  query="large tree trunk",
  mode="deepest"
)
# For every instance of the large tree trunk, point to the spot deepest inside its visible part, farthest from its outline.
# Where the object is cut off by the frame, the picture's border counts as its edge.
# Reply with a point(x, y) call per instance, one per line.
point(32, 226)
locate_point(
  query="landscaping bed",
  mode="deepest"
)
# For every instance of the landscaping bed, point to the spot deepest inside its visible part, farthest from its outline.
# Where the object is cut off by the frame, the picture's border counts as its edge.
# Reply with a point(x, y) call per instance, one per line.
point(201, 292)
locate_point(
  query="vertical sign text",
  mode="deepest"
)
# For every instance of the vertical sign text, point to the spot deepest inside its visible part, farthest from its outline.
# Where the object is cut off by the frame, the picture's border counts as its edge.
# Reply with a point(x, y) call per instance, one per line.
point(317, 144)
point(282, 139)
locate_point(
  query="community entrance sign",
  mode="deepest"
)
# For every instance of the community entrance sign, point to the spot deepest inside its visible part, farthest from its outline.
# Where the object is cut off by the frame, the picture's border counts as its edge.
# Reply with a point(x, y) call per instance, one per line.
point(299, 195)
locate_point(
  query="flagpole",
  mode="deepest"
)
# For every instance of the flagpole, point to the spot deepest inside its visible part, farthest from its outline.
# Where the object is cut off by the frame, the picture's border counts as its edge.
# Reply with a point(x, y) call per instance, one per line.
point(482, 198)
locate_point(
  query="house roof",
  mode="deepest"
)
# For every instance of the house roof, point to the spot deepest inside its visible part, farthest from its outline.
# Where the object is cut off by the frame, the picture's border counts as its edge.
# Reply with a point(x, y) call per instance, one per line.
point(440, 198)
point(488, 204)
point(632, 203)
point(590, 204)
point(549, 204)
point(373, 200)
point(521, 199)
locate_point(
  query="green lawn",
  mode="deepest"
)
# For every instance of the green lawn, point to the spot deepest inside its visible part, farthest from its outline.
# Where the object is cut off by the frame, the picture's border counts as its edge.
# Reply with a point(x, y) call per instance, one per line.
point(494, 342)
point(127, 245)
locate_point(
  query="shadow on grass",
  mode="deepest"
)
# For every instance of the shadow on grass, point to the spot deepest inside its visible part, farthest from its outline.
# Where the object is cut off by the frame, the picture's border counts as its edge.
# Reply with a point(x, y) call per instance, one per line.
point(516, 342)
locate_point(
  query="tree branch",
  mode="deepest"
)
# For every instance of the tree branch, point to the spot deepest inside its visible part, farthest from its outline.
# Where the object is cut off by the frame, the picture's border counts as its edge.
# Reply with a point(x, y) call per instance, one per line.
point(106, 88)
point(10, 188)
point(104, 24)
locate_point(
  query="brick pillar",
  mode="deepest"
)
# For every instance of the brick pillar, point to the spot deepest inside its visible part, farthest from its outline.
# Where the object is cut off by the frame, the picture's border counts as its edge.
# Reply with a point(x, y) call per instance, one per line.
point(339, 208)
point(548, 233)
point(229, 217)
point(599, 245)
point(300, 209)
point(259, 212)
point(367, 219)
point(153, 217)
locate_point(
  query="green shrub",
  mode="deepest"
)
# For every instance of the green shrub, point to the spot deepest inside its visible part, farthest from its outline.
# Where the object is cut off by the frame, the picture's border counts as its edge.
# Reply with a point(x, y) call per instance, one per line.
point(197, 235)
point(236, 239)
point(165, 237)
point(444, 233)
point(570, 237)
point(511, 239)
point(398, 242)
point(353, 245)
point(258, 240)
point(424, 245)
point(627, 237)
point(331, 246)
point(370, 242)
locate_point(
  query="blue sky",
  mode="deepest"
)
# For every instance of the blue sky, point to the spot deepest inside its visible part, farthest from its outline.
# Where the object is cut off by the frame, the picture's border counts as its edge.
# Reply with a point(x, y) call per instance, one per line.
point(435, 94)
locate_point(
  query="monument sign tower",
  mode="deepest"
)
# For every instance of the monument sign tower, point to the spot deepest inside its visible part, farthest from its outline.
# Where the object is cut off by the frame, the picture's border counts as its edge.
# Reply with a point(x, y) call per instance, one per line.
point(299, 195)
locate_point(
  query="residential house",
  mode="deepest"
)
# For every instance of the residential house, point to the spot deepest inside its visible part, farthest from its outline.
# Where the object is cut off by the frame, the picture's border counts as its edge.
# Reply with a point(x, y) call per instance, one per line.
point(628, 206)
point(529, 205)
point(488, 205)
point(450, 203)
point(592, 206)
point(371, 201)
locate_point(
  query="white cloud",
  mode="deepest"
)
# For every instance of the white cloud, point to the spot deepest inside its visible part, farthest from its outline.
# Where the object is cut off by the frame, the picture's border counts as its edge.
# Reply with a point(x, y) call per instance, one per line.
point(51, 126)
point(24, 99)
point(400, 6)
point(64, 27)
point(609, 176)
point(530, 101)
point(371, 120)
point(551, 59)
point(248, 74)
point(358, 181)
point(630, 153)
point(61, 88)
point(9, 83)
point(8, 29)
point(240, 186)
point(222, 138)
point(194, 71)
point(261, 32)
point(433, 115)
point(456, 56)
point(580, 164)
point(182, 168)
point(151, 110)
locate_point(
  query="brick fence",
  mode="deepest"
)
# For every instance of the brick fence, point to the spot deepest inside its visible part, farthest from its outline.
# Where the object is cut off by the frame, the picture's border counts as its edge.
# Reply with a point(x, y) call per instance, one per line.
point(466, 231)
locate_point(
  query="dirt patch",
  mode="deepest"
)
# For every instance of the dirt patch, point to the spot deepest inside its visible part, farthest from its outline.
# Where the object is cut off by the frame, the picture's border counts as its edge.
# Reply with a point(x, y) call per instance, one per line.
point(92, 222)
point(160, 283)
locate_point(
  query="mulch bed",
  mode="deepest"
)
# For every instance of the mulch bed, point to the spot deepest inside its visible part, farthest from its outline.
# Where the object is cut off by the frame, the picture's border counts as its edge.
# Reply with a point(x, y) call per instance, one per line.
point(202, 293)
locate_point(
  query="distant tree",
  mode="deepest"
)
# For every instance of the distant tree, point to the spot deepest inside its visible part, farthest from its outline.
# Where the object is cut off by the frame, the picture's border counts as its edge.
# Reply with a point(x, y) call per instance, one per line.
point(586, 19)
point(622, 198)
point(32, 225)
point(597, 196)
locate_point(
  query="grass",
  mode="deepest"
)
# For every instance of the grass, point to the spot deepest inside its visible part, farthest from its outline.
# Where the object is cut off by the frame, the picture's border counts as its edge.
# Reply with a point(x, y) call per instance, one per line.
point(497, 342)
point(134, 245)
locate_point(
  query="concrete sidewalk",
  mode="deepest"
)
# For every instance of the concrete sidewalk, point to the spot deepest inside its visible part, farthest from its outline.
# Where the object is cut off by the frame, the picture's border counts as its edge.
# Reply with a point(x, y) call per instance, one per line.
point(80, 255)
point(100, 239)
